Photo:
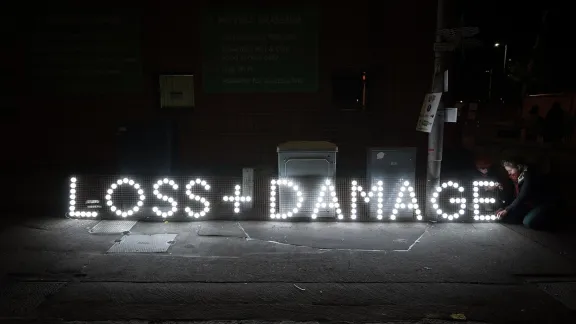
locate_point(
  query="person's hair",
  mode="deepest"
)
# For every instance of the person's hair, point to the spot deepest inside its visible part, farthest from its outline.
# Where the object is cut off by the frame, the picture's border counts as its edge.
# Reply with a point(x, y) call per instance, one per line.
point(482, 161)
point(514, 162)
point(535, 110)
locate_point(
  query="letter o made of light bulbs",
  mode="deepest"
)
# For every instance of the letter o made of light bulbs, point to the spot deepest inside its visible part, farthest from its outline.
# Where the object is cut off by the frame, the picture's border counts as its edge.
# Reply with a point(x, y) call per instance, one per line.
point(477, 200)
point(199, 199)
point(134, 209)
point(453, 200)
point(274, 184)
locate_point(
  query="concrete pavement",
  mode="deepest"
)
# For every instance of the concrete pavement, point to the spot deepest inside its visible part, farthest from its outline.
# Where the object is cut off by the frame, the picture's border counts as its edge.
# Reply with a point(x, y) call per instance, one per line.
point(56, 269)
point(424, 321)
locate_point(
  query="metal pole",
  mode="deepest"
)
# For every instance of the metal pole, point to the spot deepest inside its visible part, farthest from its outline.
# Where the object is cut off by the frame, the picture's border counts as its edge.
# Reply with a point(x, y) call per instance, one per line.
point(505, 56)
point(363, 90)
point(436, 136)
point(490, 86)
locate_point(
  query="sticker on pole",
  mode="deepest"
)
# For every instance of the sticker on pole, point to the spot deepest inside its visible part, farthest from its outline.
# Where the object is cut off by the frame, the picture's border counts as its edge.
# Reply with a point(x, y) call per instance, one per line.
point(428, 112)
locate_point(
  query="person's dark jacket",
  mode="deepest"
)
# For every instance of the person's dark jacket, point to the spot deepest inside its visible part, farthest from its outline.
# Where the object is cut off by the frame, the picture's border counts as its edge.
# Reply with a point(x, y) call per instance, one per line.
point(531, 191)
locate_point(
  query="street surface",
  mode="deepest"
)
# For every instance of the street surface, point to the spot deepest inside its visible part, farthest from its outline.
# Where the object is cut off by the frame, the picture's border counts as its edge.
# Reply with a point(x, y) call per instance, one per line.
point(77, 271)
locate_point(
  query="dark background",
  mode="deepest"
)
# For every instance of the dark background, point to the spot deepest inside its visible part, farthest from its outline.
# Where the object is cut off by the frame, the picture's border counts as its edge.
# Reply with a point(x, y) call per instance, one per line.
point(58, 128)
point(49, 120)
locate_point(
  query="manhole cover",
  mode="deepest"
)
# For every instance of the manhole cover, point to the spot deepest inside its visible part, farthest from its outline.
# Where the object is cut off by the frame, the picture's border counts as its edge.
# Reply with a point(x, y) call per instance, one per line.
point(156, 243)
point(112, 227)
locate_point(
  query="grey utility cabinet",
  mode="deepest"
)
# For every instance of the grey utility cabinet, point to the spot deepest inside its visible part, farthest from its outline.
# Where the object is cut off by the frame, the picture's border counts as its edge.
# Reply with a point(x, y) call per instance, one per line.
point(307, 158)
point(310, 164)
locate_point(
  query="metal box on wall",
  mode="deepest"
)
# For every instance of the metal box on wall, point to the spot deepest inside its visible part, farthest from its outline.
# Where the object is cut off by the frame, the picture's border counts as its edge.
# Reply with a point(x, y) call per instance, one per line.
point(176, 91)
point(393, 166)
point(309, 164)
point(309, 158)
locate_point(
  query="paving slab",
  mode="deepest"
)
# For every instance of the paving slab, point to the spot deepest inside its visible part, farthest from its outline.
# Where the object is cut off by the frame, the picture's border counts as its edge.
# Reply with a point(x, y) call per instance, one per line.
point(58, 224)
point(560, 242)
point(43, 265)
point(44, 321)
point(138, 243)
point(166, 226)
point(222, 229)
point(20, 299)
point(347, 236)
point(72, 239)
point(112, 227)
point(565, 292)
point(287, 301)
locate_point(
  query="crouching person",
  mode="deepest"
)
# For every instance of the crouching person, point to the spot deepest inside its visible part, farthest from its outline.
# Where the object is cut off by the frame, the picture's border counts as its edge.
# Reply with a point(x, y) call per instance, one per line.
point(532, 204)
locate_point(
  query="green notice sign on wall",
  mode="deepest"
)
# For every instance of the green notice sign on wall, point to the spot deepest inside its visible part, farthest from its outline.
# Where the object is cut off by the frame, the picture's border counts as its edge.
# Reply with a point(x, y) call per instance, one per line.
point(260, 50)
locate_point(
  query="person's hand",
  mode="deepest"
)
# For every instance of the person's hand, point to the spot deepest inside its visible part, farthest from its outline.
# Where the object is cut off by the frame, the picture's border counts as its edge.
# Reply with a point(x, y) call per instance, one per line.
point(501, 213)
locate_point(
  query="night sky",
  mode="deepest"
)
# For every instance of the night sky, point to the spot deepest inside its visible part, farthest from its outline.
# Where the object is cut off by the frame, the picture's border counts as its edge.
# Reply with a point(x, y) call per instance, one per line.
point(516, 24)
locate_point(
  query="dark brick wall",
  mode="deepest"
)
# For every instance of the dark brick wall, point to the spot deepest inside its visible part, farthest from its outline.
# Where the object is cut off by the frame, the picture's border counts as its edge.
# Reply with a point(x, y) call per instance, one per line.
point(393, 39)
